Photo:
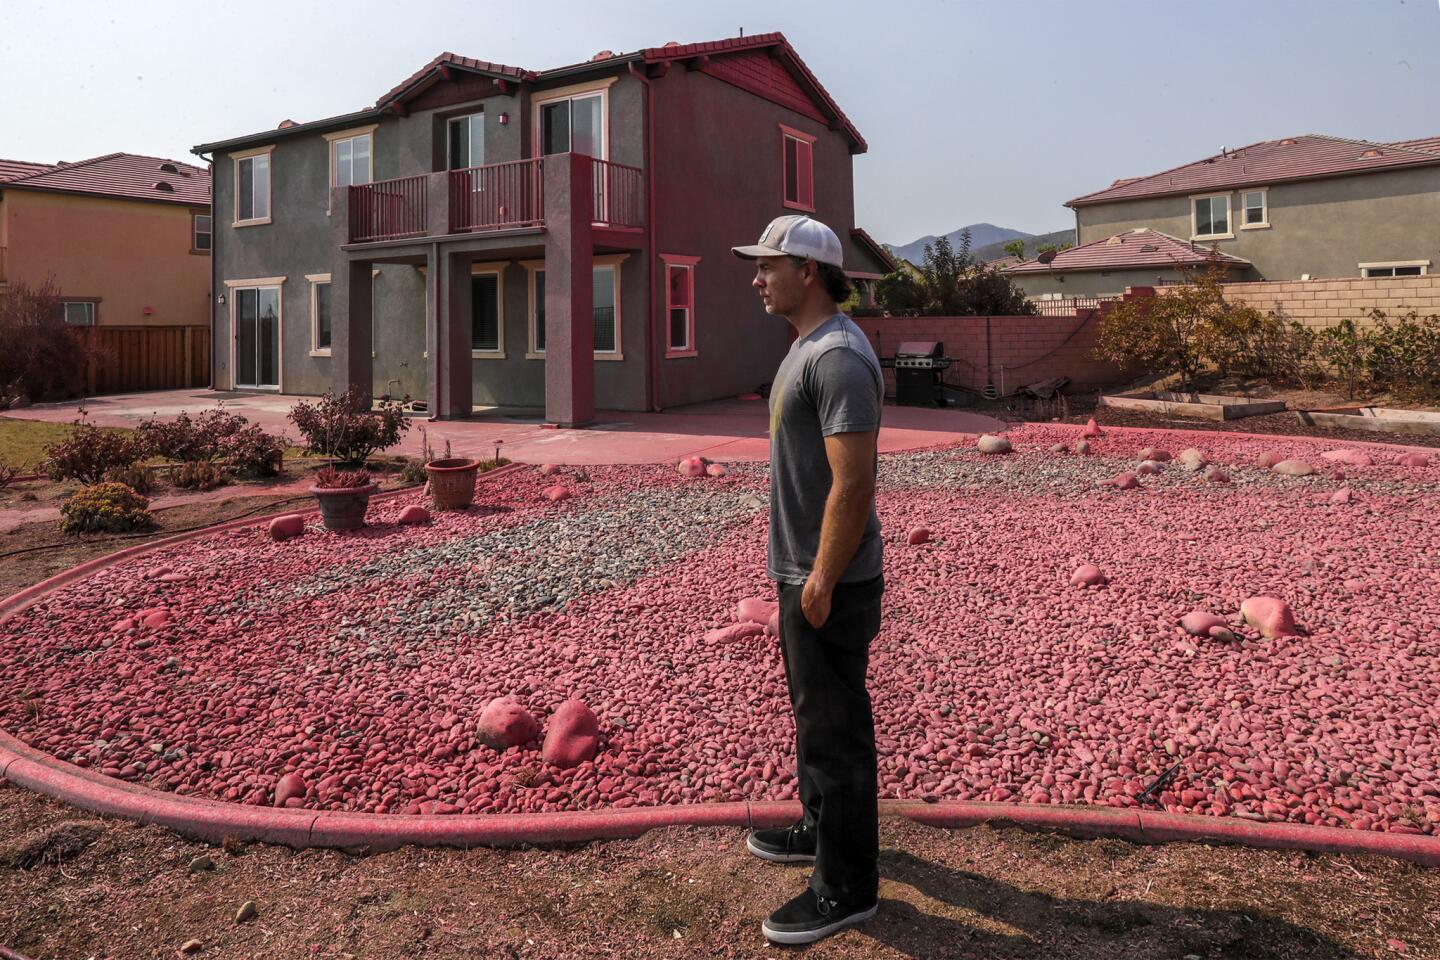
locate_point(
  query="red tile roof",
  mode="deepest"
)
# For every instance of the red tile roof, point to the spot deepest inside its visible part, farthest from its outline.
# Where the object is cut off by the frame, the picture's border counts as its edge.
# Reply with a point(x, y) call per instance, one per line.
point(1135, 248)
point(427, 72)
point(1271, 161)
point(1424, 143)
point(11, 169)
point(126, 176)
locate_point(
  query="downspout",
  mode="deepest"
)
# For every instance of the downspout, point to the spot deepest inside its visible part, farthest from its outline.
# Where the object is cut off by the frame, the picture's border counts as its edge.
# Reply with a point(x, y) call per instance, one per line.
point(650, 341)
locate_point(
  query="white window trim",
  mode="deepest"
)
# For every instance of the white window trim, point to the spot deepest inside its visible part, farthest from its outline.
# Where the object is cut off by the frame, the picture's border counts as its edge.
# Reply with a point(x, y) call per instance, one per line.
point(605, 260)
point(235, 159)
point(259, 283)
point(339, 135)
point(315, 280)
point(541, 98)
point(65, 311)
point(498, 270)
point(195, 233)
point(1365, 268)
point(1229, 218)
point(1264, 223)
point(690, 349)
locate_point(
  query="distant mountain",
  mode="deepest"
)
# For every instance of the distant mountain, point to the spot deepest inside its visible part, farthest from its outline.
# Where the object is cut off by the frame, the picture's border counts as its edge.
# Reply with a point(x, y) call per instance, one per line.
point(986, 241)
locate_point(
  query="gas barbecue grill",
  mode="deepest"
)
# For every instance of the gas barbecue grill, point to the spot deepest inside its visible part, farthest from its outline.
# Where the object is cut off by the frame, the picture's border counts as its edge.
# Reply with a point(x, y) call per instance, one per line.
point(918, 366)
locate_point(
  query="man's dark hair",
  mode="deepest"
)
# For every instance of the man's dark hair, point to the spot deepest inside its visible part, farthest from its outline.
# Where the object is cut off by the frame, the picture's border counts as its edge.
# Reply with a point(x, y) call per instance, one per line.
point(837, 285)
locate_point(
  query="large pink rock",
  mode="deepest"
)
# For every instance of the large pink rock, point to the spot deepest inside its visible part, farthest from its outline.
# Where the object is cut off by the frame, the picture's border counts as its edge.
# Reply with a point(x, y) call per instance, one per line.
point(1092, 429)
point(1087, 575)
point(716, 470)
point(155, 617)
point(505, 723)
point(291, 786)
point(549, 470)
point(1082, 447)
point(1412, 460)
point(1199, 623)
point(1355, 458)
point(1155, 453)
point(414, 514)
point(1217, 475)
point(755, 610)
point(1293, 468)
point(1270, 615)
point(773, 627)
point(1342, 495)
point(1148, 467)
point(992, 444)
point(918, 535)
point(692, 466)
point(735, 632)
point(572, 736)
point(1268, 459)
point(555, 493)
point(1124, 481)
point(287, 526)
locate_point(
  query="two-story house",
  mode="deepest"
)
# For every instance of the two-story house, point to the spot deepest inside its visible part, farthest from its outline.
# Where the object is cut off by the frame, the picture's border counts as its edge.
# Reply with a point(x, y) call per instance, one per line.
point(489, 235)
point(1306, 207)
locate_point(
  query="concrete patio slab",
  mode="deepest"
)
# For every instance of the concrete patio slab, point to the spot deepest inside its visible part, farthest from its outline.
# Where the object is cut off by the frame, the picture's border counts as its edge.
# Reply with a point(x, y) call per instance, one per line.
point(720, 430)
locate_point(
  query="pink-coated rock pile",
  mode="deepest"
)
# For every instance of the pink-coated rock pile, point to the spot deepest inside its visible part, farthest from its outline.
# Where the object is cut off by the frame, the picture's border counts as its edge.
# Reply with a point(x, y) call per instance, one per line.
point(359, 674)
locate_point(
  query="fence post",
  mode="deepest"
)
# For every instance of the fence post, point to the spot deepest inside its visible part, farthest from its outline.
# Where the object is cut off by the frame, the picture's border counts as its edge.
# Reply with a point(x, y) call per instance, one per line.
point(189, 357)
point(90, 349)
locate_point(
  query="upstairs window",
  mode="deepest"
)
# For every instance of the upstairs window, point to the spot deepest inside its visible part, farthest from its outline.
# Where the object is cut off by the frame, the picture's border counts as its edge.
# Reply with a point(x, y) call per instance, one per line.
point(1256, 213)
point(252, 188)
point(467, 141)
point(574, 125)
point(798, 160)
point(1212, 216)
point(351, 161)
point(200, 233)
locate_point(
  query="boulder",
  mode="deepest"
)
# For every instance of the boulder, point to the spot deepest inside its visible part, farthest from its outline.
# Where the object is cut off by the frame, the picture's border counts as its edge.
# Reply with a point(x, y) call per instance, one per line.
point(549, 470)
point(735, 632)
point(1270, 615)
point(1355, 458)
point(1155, 453)
point(287, 526)
point(1082, 446)
point(1148, 467)
point(1223, 634)
point(1412, 460)
point(715, 470)
point(1268, 459)
point(1059, 448)
point(755, 610)
point(291, 786)
point(991, 444)
point(155, 618)
point(414, 514)
point(1217, 475)
point(1124, 481)
point(1087, 575)
point(555, 493)
point(572, 736)
point(1343, 495)
point(692, 467)
point(1293, 468)
point(1198, 623)
point(1092, 429)
point(773, 627)
point(505, 723)
point(918, 535)
point(1192, 459)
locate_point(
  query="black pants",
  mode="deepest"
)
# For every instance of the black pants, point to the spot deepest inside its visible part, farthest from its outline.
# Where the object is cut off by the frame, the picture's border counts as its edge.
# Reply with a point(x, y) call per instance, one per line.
point(835, 734)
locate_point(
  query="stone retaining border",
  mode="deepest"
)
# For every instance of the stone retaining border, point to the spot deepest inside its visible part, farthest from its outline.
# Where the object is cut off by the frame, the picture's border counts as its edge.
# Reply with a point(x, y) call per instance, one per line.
point(215, 821)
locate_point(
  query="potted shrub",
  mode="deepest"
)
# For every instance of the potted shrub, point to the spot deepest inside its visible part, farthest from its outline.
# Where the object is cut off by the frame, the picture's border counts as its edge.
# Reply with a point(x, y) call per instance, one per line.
point(344, 496)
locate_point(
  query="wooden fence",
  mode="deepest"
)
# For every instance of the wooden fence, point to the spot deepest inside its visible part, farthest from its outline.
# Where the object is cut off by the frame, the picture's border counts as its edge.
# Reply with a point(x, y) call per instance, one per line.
point(131, 358)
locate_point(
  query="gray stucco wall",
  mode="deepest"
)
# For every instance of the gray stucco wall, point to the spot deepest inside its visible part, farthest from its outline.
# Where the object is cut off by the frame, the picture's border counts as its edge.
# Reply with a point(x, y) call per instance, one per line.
point(1321, 227)
point(1091, 283)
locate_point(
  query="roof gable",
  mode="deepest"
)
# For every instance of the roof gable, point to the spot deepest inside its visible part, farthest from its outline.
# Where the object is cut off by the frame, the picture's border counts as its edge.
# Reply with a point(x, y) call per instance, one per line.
point(1305, 157)
point(125, 176)
point(1140, 247)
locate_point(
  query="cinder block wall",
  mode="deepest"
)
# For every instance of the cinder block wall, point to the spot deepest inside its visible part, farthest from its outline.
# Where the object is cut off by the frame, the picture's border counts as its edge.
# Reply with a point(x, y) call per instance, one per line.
point(1323, 303)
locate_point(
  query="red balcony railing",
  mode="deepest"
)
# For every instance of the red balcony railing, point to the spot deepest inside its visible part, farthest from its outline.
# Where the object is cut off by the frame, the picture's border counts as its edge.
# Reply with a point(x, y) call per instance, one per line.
point(388, 209)
point(619, 194)
point(498, 196)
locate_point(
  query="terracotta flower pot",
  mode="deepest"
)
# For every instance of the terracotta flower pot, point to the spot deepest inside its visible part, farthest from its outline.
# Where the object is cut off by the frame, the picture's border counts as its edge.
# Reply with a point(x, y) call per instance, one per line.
point(343, 508)
point(452, 482)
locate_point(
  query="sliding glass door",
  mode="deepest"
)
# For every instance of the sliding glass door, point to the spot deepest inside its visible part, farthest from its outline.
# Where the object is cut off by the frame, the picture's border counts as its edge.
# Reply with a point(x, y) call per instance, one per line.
point(257, 337)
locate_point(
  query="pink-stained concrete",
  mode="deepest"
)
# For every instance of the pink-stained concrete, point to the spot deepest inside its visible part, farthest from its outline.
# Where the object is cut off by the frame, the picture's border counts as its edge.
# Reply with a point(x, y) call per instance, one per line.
point(731, 430)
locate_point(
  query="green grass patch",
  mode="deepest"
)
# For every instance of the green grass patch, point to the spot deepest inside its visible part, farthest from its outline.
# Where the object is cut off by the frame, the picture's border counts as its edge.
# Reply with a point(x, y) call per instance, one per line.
point(23, 442)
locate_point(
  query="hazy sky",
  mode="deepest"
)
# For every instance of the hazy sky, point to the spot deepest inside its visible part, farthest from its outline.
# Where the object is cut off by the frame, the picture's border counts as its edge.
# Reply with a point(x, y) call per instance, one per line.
point(974, 111)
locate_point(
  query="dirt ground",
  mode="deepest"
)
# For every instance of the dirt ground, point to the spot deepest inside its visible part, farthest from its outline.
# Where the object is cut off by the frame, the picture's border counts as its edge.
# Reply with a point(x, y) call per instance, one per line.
point(73, 886)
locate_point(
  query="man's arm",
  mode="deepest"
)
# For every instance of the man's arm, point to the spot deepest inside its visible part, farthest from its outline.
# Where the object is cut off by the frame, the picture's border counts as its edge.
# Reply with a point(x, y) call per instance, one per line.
point(847, 508)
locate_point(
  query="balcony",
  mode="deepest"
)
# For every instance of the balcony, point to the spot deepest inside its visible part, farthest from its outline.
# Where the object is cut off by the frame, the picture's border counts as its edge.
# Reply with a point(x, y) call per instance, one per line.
point(494, 197)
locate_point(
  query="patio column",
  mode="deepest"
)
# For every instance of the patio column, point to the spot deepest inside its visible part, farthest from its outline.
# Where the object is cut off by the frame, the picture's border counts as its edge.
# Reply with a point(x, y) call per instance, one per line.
point(569, 291)
point(449, 368)
point(351, 348)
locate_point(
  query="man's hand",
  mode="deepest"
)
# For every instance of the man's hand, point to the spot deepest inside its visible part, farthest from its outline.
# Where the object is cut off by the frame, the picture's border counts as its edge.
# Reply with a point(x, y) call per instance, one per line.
point(815, 602)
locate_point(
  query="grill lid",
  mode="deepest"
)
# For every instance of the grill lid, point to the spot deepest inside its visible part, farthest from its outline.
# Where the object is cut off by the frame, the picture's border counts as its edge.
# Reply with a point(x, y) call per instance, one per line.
point(921, 348)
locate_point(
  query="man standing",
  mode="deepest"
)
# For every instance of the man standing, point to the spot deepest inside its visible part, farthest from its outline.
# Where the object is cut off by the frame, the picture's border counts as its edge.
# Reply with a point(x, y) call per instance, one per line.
point(825, 554)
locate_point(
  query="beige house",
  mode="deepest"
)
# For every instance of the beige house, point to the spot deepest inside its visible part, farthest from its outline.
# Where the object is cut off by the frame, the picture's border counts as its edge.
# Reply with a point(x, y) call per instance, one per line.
point(1306, 207)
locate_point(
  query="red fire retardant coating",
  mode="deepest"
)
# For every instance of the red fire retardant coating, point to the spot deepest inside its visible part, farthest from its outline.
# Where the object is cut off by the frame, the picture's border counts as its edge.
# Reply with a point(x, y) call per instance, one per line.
point(290, 525)
point(918, 535)
point(505, 723)
point(414, 514)
point(1271, 616)
point(1087, 575)
point(572, 736)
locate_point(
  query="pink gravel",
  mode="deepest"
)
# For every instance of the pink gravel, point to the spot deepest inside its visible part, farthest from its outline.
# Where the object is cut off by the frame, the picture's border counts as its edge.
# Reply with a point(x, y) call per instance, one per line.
point(992, 677)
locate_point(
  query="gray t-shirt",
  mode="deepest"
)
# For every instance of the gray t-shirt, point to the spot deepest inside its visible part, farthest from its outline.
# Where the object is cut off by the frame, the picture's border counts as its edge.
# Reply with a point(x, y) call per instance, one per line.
point(830, 382)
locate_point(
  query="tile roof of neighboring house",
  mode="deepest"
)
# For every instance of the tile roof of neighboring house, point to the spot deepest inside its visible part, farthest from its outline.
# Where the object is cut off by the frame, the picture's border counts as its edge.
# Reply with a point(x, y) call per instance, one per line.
point(13, 169)
point(433, 71)
point(1270, 161)
point(1424, 143)
point(1000, 263)
point(124, 176)
point(1140, 247)
point(876, 250)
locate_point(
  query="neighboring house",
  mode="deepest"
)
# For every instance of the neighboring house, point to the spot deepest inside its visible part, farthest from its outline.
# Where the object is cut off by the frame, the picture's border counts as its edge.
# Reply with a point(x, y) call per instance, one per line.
point(1302, 207)
point(125, 238)
point(1137, 258)
point(489, 235)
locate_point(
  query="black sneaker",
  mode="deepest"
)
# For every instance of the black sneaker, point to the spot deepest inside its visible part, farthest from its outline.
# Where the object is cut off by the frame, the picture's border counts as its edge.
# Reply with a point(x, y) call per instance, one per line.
point(793, 844)
point(810, 917)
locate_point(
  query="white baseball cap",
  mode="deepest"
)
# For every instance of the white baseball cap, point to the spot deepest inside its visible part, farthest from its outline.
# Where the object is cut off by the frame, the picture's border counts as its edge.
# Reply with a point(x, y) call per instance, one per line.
point(796, 235)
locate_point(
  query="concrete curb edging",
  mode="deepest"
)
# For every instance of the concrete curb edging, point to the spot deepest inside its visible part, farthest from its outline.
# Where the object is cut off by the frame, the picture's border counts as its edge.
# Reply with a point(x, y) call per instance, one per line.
point(214, 820)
